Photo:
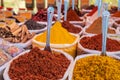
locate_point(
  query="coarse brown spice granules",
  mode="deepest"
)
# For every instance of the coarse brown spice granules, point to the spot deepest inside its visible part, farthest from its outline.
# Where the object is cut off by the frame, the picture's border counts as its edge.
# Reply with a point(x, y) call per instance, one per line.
point(97, 68)
point(95, 43)
point(39, 65)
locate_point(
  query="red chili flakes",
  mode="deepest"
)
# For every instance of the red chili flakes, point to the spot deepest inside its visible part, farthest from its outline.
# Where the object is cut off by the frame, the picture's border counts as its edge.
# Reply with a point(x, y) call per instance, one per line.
point(38, 65)
point(95, 43)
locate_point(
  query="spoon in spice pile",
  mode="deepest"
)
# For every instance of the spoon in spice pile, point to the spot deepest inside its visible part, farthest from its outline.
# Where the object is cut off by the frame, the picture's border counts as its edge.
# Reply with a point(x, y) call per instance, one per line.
point(50, 12)
point(105, 19)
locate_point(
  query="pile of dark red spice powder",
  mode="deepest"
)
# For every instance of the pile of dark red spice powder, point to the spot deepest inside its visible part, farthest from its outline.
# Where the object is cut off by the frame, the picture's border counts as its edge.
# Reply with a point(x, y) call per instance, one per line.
point(41, 15)
point(72, 16)
point(71, 28)
point(93, 11)
point(39, 65)
point(95, 43)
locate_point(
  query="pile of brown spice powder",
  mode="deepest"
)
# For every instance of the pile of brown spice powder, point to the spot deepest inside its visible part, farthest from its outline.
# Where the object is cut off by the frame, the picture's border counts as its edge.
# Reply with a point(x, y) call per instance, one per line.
point(95, 43)
point(71, 28)
point(39, 65)
point(72, 16)
point(96, 27)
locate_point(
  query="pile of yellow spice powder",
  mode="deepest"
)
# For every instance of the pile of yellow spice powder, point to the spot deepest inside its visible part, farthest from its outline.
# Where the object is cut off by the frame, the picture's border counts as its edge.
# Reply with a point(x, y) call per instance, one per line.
point(58, 35)
point(97, 68)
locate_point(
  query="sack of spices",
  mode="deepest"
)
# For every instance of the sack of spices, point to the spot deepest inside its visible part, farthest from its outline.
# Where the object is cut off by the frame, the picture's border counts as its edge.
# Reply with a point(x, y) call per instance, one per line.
point(93, 44)
point(95, 67)
point(60, 38)
point(39, 64)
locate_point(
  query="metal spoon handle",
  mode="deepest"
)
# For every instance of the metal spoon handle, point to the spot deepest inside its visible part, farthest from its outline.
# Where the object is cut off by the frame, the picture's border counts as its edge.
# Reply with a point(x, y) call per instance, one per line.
point(59, 3)
point(73, 2)
point(49, 21)
point(105, 19)
point(65, 11)
point(118, 5)
point(99, 6)
point(105, 6)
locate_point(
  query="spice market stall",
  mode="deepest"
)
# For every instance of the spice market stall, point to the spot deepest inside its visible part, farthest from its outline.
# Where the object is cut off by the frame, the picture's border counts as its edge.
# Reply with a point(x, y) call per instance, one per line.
point(72, 30)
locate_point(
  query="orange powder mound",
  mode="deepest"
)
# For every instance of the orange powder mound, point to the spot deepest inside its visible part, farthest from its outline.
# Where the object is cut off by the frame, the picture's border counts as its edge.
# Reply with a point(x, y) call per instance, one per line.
point(96, 27)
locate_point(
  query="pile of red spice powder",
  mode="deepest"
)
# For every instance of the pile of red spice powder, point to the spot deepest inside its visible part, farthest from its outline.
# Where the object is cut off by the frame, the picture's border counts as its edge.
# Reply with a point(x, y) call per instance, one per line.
point(95, 43)
point(38, 65)
point(93, 11)
point(116, 14)
point(71, 28)
point(41, 15)
point(72, 16)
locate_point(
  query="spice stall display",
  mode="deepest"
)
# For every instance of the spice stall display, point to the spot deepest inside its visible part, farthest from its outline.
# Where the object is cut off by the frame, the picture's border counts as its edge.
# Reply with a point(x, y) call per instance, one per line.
point(80, 34)
point(92, 66)
point(60, 39)
point(39, 64)
point(93, 44)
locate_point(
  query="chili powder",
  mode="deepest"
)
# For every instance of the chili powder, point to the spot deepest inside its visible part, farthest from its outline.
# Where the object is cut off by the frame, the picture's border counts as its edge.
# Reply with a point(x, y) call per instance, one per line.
point(38, 65)
point(95, 43)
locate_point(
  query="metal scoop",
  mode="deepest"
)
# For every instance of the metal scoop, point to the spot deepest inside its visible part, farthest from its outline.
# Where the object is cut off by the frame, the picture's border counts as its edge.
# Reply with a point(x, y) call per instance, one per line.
point(105, 20)
point(50, 12)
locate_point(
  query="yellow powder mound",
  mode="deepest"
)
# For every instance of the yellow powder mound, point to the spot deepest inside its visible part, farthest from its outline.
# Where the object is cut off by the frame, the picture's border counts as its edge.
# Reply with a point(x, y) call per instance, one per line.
point(58, 35)
point(97, 68)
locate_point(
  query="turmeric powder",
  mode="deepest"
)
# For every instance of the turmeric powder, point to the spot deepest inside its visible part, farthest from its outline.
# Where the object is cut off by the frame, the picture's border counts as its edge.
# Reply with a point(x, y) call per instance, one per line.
point(58, 35)
point(97, 68)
